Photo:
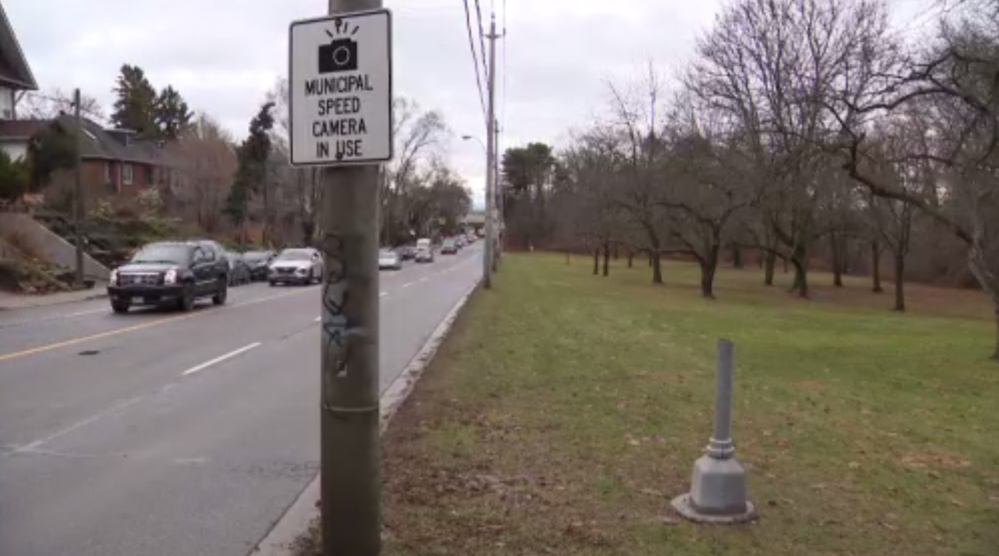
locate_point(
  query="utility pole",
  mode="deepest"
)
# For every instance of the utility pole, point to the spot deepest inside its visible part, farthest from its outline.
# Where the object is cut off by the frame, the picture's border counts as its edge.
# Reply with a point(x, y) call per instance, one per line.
point(78, 205)
point(497, 255)
point(487, 259)
point(350, 458)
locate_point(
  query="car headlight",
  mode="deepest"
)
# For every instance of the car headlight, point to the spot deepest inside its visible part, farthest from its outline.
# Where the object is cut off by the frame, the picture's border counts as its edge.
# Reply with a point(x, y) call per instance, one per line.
point(170, 277)
point(301, 270)
point(114, 277)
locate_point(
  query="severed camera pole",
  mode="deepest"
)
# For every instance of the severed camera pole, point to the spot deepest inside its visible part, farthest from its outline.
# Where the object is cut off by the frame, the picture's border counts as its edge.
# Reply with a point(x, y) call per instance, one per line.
point(350, 474)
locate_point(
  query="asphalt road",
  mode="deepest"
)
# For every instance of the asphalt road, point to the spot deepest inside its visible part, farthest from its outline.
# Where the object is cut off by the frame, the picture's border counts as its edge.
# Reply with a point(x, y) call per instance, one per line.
point(161, 433)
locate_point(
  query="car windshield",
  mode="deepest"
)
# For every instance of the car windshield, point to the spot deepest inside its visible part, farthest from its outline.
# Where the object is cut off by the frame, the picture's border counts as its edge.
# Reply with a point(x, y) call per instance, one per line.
point(256, 256)
point(165, 254)
point(448, 243)
point(386, 253)
point(294, 256)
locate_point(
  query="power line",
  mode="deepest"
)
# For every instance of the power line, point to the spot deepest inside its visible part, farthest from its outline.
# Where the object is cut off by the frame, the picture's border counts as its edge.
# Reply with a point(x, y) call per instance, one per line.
point(475, 59)
point(482, 39)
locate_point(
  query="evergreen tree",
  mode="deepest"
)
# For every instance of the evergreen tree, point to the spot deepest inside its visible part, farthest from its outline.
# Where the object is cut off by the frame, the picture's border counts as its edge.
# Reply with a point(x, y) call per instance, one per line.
point(135, 107)
point(171, 113)
point(251, 174)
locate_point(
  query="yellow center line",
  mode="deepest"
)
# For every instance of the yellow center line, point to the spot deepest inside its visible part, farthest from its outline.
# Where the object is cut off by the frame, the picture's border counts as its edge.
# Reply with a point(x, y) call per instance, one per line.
point(127, 329)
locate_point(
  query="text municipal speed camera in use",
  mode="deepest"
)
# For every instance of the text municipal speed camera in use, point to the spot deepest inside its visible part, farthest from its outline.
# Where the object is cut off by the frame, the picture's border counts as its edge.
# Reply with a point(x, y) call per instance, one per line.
point(340, 89)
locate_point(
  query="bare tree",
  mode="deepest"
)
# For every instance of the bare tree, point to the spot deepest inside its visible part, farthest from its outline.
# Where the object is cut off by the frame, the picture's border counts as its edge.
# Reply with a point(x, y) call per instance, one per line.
point(771, 65)
point(955, 84)
point(50, 104)
point(639, 124)
point(204, 164)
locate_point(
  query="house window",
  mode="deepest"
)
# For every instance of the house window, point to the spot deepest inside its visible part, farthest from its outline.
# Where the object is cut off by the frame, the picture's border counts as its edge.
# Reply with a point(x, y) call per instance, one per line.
point(126, 174)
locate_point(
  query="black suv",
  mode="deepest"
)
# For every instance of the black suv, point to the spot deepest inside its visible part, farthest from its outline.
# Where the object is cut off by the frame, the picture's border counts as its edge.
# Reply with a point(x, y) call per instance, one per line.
point(171, 273)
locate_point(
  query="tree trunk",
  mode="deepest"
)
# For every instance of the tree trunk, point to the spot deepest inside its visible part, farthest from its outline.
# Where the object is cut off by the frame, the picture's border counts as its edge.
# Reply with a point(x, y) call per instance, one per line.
point(769, 263)
point(708, 280)
point(800, 261)
point(876, 267)
point(631, 258)
point(900, 281)
point(596, 262)
point(979, 265)
point(657, 270)
point(737, 257)
point(607, 255)
point(837, 260)
point(785, 264)
point(616, 251)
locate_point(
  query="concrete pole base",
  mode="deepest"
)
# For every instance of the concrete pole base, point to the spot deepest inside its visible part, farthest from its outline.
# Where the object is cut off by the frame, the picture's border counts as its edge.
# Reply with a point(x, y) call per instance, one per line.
point(717, 493)
point(683, 507)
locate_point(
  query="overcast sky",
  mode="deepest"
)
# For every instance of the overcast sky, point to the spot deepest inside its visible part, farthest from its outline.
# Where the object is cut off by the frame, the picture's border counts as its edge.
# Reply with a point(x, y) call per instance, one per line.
point(223, 55)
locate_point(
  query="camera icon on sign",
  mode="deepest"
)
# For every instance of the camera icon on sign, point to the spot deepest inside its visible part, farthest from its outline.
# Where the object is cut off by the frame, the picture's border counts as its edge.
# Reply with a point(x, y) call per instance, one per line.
point(339, 55)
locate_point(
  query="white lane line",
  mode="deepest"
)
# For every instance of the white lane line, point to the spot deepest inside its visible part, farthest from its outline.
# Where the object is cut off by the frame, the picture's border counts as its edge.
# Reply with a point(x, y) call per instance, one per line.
point(383, 294)
point(408, 284)
point(77, 425)
point(318, 319)
point(220, 359)
point(424, 279)
point(82, 313)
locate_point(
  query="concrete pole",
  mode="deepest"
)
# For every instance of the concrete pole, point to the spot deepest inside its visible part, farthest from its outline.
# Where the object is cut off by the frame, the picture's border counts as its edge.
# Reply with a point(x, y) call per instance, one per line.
point(718, 492)
point(498, 194)
point(487, 258)
point(720, 445)
point(78, 205)
point(350, 463)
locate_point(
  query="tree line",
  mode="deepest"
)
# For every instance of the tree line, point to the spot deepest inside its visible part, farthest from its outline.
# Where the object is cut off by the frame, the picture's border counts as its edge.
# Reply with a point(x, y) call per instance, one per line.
point(808, 131)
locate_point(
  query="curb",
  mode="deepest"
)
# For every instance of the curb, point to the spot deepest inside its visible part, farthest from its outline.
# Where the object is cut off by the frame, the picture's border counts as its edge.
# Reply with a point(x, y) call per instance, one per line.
point(54, 303)
point(304, 510)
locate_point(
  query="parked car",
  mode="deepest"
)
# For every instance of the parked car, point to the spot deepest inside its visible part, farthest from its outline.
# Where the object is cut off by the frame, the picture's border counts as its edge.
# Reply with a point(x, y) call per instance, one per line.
point(170, 273)
point(296, 266)
point(257, 262)
point(406, 252)
point(460, 241)
point(424, 251)
point(389, 259)
point(449, 247)
point(470, 237)
point(239, 272)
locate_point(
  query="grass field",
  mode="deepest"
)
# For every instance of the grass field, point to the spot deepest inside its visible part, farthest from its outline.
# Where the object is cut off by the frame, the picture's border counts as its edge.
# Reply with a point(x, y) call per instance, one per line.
point(567, 409)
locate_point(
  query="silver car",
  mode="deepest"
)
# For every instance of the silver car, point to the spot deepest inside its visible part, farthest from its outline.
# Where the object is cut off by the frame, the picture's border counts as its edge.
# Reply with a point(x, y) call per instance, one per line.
point(296, 266)
point(389, 259)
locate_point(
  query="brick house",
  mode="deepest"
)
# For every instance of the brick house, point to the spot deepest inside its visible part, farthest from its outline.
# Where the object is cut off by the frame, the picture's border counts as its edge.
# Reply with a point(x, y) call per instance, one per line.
point(116, 163)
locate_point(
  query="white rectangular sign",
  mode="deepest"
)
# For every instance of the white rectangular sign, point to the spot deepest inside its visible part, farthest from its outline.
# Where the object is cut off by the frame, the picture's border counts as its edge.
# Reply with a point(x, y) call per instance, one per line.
point(340, 89)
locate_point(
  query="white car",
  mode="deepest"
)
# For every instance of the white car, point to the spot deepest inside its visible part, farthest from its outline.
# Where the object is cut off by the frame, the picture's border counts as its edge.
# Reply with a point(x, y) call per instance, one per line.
point(296, 266)
point(424, 251)
point(389, 259)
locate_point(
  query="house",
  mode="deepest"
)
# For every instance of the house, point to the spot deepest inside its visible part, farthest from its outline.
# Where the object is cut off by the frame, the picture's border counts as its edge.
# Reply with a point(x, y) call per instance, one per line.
point(115, 162)
point(15, 79)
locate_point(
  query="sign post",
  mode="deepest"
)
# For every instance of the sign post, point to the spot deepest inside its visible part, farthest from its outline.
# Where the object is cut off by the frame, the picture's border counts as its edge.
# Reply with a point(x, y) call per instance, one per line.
point(340, 97)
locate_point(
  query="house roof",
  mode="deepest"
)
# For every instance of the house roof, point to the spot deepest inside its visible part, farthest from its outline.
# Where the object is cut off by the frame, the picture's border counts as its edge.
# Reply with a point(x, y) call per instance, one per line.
point(101, 143)
point(14, 68)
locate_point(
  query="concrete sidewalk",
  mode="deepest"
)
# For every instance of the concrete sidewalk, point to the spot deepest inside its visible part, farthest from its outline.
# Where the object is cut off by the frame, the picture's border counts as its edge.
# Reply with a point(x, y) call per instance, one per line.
point(9, 301)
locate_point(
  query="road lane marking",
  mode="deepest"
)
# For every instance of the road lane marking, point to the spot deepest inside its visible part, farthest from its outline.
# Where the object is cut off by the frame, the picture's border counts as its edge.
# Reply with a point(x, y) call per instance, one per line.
point(407, 284)
point(220, 359)
point(318, 319)
point(424, 279)
point(77, 425)
point(383, 294)
point(134, 328)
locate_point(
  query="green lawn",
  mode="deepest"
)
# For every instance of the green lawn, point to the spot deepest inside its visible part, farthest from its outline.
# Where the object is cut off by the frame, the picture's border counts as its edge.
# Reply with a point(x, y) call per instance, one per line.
point(567, 409)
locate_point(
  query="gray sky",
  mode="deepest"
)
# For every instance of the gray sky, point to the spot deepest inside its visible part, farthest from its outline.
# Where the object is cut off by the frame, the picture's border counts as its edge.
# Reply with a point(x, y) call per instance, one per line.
point(223, 55)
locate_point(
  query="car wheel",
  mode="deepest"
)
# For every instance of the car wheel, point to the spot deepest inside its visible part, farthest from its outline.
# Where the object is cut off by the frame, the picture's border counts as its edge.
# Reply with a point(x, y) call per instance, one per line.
point(187, 299)
point(272, 283)
point(120, 307)
point(221, 293)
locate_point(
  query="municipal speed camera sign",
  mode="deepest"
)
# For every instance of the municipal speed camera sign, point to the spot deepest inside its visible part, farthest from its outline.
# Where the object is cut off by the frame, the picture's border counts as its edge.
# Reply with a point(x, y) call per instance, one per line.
point(340, 89)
